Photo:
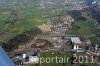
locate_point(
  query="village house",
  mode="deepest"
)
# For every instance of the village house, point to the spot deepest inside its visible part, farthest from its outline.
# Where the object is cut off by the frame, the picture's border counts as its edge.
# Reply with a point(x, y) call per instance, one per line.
point(26, 58)
point(30, 59)
point(67, 20)
point(76, 42)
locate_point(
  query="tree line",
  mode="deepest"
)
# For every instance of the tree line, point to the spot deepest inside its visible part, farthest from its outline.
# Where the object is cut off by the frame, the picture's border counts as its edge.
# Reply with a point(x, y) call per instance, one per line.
point(20, 39)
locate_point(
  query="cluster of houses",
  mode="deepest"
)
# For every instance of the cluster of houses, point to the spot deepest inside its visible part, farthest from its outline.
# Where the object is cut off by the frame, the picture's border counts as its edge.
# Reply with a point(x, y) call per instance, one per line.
point(94, 48)
point(25, 58)
point(64, 24)
point(77, 45)
point(59, 28)
point(76, 42)
point(75, 5)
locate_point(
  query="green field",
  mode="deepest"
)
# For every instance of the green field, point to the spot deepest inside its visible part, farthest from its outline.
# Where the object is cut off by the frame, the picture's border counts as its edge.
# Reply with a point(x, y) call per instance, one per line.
point(66, 55)
point(27, 14)
point(50, 55)
point(21, 19)
point(28, 18)
point(86, 27)
point(18, 17)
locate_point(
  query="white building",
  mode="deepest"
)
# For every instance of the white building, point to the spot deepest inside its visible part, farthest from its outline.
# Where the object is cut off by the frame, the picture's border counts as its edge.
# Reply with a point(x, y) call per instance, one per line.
point(33, 59)
point(76, 42)
point(24, 56)
point(94, 2)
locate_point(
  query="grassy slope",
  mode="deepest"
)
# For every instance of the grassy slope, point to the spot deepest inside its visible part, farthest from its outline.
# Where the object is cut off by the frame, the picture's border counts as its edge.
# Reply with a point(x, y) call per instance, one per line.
point(28, 18)
point(67, 55)
point(86, 27)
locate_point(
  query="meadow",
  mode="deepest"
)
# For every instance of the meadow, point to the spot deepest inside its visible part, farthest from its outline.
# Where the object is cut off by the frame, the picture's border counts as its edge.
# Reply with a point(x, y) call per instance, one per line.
point(63, 55)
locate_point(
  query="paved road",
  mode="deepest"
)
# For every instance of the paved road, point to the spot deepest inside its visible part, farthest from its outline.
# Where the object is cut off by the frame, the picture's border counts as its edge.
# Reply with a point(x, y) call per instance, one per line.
point(64, 36)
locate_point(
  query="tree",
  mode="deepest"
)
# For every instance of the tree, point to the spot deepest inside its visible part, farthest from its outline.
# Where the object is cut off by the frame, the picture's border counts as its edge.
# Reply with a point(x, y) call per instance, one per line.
point(21, 39)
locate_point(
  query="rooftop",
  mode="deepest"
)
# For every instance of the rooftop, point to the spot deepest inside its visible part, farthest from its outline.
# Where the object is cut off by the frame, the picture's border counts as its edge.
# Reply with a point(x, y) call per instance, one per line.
point(75, 40)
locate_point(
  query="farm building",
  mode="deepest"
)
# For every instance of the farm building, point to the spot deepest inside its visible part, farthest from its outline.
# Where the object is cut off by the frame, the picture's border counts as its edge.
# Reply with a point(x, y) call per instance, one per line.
point(76, 42)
